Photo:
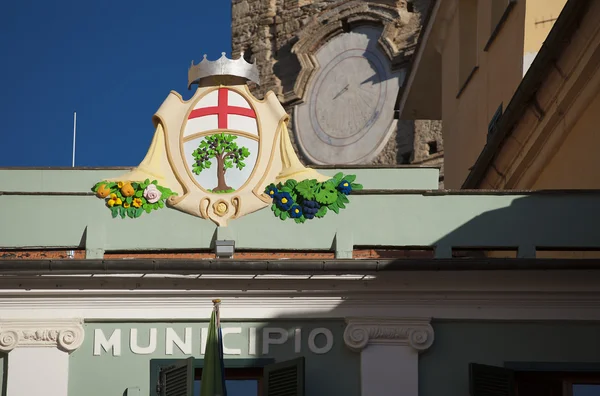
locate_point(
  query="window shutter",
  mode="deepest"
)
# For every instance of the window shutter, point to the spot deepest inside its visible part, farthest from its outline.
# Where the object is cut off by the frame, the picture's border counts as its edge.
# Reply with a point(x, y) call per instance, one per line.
point(178, 379)
point(285, 378)
point(491, 381)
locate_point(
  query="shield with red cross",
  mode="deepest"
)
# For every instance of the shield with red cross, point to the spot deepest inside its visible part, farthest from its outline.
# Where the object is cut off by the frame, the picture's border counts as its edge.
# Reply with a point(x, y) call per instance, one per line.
point(220, 141)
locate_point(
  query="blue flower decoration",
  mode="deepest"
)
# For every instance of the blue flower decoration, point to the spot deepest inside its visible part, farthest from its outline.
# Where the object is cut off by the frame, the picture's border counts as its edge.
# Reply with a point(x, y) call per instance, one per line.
point(344, 187)
point(295, 212)
point(284, 200)
point(272, 190)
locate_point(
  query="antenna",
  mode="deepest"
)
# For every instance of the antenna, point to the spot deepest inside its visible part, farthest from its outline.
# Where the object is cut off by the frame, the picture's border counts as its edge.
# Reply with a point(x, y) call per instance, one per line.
point(74, 136)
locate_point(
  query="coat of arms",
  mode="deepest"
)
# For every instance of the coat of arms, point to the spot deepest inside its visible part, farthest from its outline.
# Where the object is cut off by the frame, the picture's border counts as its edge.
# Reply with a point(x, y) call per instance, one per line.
point(223, 154)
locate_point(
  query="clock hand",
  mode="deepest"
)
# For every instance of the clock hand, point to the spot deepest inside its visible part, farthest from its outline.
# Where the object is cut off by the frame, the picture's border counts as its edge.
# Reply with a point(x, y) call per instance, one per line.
point(341, 92)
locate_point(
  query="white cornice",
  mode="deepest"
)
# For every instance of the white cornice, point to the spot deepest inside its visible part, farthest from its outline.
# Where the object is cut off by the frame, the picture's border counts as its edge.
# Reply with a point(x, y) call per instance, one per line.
point(193, 306)
point(361, 332)
point(64, 334)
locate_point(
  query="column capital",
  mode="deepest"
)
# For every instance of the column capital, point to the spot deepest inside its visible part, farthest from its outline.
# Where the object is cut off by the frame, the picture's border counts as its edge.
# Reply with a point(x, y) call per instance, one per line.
point(66, 334)
point(416, 332)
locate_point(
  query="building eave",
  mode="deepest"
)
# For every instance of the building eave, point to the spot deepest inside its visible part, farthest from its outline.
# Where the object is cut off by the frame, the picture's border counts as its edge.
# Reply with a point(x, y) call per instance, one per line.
point(283, 267)
point(559, 37)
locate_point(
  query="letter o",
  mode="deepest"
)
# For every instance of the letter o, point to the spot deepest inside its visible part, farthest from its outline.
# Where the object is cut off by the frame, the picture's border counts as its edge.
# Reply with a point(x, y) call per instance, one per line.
point(328, 340)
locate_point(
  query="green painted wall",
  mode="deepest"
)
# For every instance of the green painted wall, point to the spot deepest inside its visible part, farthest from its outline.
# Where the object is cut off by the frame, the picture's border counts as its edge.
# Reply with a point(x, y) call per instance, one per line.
point(76, 180)
point(407, 219)
point(3, 372)
point(108, 375)
point(370, 220)
point(443, 369)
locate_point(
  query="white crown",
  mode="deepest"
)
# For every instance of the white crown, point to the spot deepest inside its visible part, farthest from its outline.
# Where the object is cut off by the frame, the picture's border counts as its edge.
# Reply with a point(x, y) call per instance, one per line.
point(223, 67)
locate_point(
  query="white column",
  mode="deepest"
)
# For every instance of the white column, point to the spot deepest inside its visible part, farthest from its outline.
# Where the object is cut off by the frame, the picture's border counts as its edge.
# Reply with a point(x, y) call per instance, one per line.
point(38, 358)
point(389, 353)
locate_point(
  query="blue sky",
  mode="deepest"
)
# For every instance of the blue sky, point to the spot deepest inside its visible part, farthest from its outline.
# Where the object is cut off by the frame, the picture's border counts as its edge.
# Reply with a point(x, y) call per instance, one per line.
point(114, 62)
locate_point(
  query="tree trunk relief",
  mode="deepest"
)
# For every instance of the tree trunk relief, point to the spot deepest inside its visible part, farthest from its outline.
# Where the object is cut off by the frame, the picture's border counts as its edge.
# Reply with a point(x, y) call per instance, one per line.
point(221, 184)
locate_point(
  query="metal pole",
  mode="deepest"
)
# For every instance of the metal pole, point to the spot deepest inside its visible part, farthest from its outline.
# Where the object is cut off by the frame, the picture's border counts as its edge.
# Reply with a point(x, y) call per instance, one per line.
point(74, 136)
point(71, 253)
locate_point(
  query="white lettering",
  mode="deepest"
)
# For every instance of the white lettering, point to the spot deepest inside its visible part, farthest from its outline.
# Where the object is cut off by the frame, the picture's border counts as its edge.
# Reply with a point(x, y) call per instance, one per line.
point(172, 339)
point(319, 340)
point(328, 340)
point(298, 340)
point(114, 342)
point(231, 330)
point(267, 340)
point(138, 350)
point(252, 341)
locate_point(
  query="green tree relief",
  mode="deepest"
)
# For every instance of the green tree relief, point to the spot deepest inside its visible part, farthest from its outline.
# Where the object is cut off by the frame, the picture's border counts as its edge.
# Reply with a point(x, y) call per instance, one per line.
point(223, 148)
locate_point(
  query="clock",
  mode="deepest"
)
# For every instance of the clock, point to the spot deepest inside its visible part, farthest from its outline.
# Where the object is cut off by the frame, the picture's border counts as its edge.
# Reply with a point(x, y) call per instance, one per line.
point(348, 112)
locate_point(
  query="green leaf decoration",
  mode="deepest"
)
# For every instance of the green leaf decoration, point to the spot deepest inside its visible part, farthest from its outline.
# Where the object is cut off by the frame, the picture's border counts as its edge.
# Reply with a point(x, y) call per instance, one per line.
point(350, 178)
point(306, 188)
point(114, 211)
point(138, 194)
point(330, 195)
point(161, 204)
point(334, 207)
point(337, 178)
point(129, 200)
point(122, 212)
point(322, 212)
point(326, 193)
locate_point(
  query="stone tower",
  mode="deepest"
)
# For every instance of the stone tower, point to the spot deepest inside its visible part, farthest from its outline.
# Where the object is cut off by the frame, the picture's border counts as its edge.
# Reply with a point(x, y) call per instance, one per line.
point(284, 37)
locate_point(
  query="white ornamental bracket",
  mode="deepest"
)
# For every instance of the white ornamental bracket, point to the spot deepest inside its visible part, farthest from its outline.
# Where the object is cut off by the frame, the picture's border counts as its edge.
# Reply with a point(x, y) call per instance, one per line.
point(66, 335)
point(415, 332)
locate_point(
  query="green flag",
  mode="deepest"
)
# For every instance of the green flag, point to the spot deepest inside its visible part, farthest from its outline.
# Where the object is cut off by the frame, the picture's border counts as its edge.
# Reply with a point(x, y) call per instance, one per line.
point(213, 376)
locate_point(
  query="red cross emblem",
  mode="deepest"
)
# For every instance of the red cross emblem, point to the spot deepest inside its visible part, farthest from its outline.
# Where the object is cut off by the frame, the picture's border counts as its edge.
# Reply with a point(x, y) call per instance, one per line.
point(222, 110)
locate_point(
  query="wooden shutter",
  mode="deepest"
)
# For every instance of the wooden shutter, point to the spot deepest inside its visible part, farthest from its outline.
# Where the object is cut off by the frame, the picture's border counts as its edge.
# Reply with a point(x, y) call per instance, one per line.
point(178, 379)
point(491, 381)
point(285, 378)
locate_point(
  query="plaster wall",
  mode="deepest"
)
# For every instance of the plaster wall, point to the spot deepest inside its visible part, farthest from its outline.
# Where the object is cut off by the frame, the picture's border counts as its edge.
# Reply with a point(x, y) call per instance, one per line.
point(539, 19)
point(443, 369)
point(469, 105)
point(3, 369)
point(446, 221)
point(557, 150)
point(572, 165)
point(336, 372)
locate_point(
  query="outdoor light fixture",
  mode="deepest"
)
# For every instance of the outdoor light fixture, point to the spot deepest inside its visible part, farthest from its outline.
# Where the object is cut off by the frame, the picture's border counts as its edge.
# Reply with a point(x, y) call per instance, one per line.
point(224, 249)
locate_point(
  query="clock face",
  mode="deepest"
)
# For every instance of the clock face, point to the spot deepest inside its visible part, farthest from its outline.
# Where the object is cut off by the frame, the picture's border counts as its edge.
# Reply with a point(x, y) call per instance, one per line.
point(348, 114)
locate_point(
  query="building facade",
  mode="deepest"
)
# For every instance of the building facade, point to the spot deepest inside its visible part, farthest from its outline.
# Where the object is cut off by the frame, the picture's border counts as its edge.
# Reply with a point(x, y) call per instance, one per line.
point(514, 84)
point(333, 280)
point(361, 49)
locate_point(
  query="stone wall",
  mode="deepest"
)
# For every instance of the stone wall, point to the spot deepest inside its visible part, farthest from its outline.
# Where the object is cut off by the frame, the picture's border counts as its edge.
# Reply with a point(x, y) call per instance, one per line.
point(266, 31)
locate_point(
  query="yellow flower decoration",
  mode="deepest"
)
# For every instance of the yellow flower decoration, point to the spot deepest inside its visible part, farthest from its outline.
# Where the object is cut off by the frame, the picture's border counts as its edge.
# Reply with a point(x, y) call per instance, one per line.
point(284, 200)
point(120, 185)
point(114, 200)
point(137, 202)
point(126, 205)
